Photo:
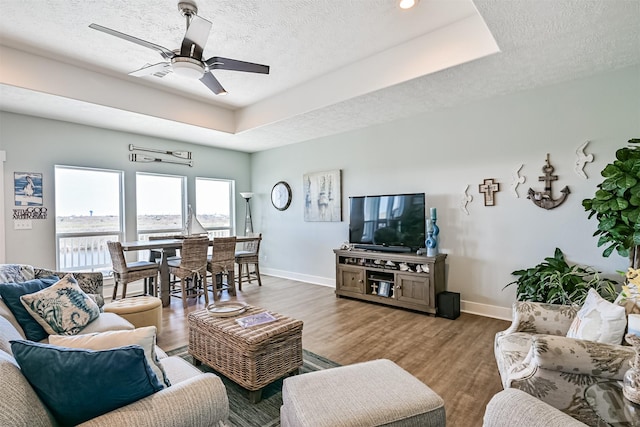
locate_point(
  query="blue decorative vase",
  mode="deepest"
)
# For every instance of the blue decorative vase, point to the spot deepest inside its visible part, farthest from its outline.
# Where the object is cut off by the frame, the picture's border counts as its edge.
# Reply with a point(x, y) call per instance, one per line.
point(432, 234)
point(431, 245)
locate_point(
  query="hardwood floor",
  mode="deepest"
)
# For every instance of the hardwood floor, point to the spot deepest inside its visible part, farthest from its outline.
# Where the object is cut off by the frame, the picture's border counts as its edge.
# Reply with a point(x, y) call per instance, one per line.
point(453, 357)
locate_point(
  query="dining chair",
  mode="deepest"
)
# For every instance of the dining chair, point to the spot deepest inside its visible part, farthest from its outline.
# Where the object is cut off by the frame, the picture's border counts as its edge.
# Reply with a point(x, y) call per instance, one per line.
point(126, 272)
point(246, 257)
point(222, 262)
point(156, 254)
point(191, 268)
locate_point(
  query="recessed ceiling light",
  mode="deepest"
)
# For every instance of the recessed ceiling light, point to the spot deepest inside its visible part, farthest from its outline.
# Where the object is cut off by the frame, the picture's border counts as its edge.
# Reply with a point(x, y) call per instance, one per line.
point(407, 4)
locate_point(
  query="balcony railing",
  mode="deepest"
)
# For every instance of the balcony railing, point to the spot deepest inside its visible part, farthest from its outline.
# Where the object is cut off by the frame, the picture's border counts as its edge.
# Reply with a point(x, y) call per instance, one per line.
point(89, 252)
point(84, 251)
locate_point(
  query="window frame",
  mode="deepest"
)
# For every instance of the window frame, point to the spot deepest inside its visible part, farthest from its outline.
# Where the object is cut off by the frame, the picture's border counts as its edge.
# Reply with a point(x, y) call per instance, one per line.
point(219, 231)
point(183, 207)
point(98, 245)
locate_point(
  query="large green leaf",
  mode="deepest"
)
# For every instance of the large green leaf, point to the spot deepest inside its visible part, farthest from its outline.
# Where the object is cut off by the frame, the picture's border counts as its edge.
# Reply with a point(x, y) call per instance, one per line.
point(626, 181)
point(635, 200)
point(622, 154)
point(610, 171)
point(618, 204)
point(622, 251)
point(601, 241)
point(609, 184)
point(608, 251)
point(601, 206)
point(607, 224)
point(603, 195)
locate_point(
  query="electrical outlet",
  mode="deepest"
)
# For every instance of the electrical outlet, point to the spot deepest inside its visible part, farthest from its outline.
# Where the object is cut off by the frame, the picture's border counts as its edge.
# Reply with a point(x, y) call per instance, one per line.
point(22, 224)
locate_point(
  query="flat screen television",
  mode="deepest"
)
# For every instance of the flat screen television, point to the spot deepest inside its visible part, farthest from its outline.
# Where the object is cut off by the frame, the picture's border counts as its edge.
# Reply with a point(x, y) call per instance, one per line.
point(393, 223)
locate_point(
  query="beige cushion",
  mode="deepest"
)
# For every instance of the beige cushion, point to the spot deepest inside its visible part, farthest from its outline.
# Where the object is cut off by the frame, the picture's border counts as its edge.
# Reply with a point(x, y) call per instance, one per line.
point(144, 337)
point(63, 308)
point(599, 320)
point(107, 322)
point(178, 370)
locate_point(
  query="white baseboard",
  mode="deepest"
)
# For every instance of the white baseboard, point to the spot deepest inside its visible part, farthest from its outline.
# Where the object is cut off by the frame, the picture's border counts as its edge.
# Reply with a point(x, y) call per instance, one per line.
point(316, 280)
point(470, 307)
point(486, 310)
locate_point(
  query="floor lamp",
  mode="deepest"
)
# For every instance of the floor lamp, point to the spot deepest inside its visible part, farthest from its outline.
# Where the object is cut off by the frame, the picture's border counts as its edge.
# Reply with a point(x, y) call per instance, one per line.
point(248, 223)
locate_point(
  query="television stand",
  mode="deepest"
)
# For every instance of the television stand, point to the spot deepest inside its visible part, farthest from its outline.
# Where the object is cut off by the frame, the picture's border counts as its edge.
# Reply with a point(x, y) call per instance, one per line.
point(395, 279)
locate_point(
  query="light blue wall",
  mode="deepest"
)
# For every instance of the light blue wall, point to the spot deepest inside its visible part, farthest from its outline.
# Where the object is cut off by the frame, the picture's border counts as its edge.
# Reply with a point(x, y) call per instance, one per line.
point(440, 154)
point(36, 145)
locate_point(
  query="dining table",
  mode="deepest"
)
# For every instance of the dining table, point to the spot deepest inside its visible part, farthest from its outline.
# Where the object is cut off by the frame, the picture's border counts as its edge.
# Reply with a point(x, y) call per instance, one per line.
point(162, 245)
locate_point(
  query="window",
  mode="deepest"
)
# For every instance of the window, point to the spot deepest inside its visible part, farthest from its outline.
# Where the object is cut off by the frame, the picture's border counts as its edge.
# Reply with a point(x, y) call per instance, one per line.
point(214, 206)
point(160, 204)
point(89, 212)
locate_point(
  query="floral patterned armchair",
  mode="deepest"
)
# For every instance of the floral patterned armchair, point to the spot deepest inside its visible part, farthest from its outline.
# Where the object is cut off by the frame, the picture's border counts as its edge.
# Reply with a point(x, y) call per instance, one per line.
point(534, 355)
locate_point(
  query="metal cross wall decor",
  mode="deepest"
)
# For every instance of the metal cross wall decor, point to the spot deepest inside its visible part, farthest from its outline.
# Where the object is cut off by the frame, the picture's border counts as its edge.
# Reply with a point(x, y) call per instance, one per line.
point(544, 199)
point(488, 188)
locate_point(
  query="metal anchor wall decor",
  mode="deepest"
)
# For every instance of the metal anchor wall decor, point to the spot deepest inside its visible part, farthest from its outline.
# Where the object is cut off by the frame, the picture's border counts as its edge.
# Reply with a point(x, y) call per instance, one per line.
point(544, 199)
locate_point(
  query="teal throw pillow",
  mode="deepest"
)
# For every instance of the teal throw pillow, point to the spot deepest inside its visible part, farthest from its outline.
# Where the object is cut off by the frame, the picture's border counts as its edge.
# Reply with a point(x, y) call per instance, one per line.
point(78, 385)
point(11, 293)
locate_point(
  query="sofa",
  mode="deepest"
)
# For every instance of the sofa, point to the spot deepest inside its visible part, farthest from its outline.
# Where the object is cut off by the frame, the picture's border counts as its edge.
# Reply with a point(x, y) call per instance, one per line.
point(194, 398)
point(535, 355)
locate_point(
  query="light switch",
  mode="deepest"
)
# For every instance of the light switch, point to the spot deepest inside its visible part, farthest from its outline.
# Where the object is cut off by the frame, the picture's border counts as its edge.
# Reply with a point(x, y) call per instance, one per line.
point(22, 224)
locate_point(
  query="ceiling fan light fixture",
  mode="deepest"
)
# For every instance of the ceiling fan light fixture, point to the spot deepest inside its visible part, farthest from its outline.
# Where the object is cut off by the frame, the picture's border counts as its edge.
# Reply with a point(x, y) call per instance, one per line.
point(407, 4)
point(187, 67)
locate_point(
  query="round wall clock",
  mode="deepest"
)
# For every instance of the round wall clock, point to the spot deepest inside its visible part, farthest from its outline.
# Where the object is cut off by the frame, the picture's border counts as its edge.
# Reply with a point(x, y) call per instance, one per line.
point(281, 195)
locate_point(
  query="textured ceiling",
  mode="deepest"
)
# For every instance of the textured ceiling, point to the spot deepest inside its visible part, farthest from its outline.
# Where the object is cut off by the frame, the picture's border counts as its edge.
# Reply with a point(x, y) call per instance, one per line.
point(321, 52)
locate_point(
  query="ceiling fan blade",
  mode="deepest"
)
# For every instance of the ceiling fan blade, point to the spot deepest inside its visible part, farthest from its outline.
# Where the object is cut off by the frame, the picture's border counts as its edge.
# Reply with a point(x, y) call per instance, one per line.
point(160, 69)
point(212, 83)
point(166, 53)
point(220, 63)
point(196, 37)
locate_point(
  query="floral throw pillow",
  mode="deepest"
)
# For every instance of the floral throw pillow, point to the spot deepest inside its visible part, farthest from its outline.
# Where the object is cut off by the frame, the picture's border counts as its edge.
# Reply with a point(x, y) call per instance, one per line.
point(61, 309)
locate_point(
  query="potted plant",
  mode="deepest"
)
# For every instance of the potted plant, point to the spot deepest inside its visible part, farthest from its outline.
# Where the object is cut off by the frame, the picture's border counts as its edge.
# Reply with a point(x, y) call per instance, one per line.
point(554, 281)
point(616, 205)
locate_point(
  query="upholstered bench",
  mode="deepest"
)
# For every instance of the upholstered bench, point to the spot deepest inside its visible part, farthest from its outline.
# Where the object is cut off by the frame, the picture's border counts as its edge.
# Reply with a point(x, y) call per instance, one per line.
point(139, 311)
point(372, 393)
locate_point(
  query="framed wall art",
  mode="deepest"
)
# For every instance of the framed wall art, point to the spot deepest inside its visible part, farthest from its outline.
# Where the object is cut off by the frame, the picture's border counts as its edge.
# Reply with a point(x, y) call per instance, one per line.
point(322, 196)
point(27, 188)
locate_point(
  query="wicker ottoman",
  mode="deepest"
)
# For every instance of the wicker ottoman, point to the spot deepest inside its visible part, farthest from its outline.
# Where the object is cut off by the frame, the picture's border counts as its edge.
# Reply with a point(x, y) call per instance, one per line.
point(139, 311)
point(372, 393)
point(253, 357)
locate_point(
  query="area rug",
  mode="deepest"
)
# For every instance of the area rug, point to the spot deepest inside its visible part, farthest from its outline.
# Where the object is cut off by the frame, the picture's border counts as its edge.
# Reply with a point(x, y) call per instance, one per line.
point(265, 413)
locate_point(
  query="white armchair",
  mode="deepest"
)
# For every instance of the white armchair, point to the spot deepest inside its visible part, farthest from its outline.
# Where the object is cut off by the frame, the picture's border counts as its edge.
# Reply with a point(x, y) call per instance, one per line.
point(535, 356)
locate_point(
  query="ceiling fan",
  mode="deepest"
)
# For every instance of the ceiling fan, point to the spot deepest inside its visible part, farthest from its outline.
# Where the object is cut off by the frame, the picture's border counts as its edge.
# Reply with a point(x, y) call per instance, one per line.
point(187, 60)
